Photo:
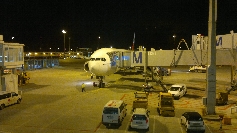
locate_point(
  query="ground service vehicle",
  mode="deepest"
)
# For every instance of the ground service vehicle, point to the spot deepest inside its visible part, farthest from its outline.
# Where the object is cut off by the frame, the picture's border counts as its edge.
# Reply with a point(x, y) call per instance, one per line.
point(221, 98)
point(9, 98)
point(165, 104)
point(200, 69)
point(140, 119)
point(114, 112)
point(141, 100)
point(178, 90)
point(193, 122)
point(147, 87)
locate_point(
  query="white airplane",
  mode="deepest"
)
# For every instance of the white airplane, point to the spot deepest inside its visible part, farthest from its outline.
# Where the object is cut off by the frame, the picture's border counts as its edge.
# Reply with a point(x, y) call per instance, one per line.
point(103, 62)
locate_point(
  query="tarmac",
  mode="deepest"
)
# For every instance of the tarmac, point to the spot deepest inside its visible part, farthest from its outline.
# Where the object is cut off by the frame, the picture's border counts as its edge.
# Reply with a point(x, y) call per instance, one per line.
point(53, 101)
point(229, 111)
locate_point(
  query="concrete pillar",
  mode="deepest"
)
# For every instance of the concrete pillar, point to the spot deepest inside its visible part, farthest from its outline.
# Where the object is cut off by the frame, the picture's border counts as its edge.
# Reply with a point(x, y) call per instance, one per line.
point(145, 62)
point(233, 66)
point(211, 69)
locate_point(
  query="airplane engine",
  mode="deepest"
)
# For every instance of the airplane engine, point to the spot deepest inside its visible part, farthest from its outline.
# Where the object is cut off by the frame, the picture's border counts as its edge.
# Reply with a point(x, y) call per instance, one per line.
point(86, 67)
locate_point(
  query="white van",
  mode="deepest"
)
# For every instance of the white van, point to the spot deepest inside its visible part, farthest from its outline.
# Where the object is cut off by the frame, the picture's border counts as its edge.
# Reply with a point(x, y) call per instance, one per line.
point(114, 111)
point(9, 98)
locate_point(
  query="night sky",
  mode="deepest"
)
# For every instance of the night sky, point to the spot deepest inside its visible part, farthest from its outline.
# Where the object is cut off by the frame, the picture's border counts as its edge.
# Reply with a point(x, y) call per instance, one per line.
point(39, 23)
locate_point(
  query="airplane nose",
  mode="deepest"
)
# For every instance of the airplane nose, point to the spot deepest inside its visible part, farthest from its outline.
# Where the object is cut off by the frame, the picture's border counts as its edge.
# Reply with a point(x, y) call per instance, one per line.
point(97, 68)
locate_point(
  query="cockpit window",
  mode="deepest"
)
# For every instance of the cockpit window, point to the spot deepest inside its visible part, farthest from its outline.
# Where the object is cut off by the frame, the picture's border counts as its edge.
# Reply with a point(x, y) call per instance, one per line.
point(92, 59)
point(97, 59)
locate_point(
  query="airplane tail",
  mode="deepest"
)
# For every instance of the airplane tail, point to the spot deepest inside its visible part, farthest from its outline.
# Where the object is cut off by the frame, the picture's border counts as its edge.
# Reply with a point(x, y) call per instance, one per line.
point(133, 42)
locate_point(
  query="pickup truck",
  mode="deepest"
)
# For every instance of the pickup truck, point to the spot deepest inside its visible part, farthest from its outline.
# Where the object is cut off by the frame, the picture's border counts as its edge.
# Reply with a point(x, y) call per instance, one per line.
point(178, 90)
point(9, 98)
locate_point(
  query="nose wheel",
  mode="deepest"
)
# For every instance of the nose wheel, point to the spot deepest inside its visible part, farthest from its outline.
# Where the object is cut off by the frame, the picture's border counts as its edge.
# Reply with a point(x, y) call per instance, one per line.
point(101, 83)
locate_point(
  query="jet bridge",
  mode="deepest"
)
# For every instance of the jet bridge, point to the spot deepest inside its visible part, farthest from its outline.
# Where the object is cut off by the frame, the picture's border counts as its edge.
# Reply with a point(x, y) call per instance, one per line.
point(154, 58)
point(174, 57)
point(11, 59)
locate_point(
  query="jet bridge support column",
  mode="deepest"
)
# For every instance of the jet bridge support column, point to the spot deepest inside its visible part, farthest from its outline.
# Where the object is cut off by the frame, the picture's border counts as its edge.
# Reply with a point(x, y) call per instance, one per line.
point(232, 76)
point(233, 66)
point(211, 70)
point(145, 63)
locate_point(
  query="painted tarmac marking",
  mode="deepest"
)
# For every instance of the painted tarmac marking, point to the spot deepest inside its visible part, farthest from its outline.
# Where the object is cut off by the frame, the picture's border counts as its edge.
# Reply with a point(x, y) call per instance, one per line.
point(224, 108)
point(209, 128)
point(123, 96)
point(180, 126)
point(97, 127)
point(154, 124)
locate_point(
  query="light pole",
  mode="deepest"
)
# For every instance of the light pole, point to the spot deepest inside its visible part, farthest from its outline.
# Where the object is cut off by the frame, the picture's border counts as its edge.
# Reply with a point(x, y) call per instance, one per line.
point(98, 43)
point(174, 40)
point(64, 32)
point(69, 45)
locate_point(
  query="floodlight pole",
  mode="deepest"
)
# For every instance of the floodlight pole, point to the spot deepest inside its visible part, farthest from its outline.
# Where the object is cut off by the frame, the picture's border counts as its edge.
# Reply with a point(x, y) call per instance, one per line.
point(64, 32)
point(211, 69)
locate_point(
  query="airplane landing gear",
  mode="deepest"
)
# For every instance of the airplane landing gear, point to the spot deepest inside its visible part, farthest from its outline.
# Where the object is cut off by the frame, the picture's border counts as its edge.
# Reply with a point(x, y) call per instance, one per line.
point(101, 84)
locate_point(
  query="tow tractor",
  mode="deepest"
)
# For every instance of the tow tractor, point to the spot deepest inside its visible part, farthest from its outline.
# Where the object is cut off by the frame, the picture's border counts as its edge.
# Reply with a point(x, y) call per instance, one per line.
point(222, 97)
point(147, 87)
point(141, 100)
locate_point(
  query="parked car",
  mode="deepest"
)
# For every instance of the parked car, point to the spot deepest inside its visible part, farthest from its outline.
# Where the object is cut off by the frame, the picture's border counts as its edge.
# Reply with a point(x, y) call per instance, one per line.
point(140, 119)
point(178, 90)
point(193, 122)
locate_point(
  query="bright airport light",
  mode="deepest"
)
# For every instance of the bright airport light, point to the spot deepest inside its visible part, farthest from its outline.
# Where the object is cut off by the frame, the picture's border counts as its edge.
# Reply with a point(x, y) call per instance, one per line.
point(63, 31)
